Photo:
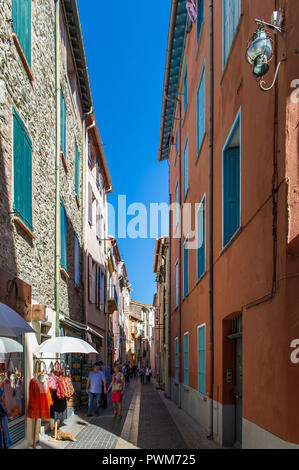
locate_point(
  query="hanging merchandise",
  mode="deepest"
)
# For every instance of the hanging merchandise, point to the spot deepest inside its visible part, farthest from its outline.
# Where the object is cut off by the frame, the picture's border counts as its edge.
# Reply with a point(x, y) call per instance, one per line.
point(192, 10)
point(39, 398)
point(5, 441)
point(65, 387)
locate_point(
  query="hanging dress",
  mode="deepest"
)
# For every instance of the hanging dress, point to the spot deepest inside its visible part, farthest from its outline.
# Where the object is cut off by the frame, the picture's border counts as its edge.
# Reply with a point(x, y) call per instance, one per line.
point(40, 400)
point(5, 441)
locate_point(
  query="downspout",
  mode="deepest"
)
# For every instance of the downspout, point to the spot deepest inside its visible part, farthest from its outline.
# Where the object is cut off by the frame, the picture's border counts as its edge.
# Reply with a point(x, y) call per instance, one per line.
point(57, 168)
point(178, 101)
point(169, 290)
point(211, 211)
point(83, 212)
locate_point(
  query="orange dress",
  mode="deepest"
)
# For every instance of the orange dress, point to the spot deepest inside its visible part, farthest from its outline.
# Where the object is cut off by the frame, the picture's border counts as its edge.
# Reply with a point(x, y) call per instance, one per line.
point(40, 400)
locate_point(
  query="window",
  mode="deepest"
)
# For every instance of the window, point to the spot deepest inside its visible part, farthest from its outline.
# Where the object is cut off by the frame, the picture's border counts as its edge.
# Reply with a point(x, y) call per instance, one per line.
point(90, 201)
point(77, 170)
point(76, 260)
point(63, 237)
point(186, 358)
point(176, 284)
point(62, 125)
point(186, 169)
point(201, 344)
point(176, 142)
point(22, 158)
point(186, 268)
point(21, 17)
point(98, 221)
point(201, 238)
point(176, 209)
point(176, 360)
point(200, 17)
point(186, 88)
point(201, 109)
point(231, 12)
point(232, 183)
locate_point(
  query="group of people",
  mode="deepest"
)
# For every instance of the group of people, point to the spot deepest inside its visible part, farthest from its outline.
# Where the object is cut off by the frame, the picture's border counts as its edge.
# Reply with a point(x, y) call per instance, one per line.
point(97, 386)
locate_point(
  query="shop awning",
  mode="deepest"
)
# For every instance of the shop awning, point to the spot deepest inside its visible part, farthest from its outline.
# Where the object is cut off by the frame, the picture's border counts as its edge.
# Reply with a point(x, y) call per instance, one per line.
point(80, 326)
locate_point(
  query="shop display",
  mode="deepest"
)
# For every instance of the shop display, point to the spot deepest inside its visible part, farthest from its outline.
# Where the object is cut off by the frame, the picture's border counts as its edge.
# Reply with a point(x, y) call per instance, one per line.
point(12, 384)
point(5, 441)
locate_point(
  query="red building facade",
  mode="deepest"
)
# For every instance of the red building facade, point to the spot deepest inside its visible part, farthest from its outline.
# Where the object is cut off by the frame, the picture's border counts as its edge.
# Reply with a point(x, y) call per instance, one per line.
point(234, 158)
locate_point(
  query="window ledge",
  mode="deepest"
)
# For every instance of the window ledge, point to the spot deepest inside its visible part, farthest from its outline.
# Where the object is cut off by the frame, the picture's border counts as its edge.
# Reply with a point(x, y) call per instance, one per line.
point(201, 278)
point(78, 202)
point(64, 273)
point(22, 56)
point(226, 247)
point(64, 162)
point(26, 229)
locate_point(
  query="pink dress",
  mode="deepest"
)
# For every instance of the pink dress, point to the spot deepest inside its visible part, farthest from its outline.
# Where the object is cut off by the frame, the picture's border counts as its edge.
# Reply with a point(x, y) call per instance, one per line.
point(117, 380)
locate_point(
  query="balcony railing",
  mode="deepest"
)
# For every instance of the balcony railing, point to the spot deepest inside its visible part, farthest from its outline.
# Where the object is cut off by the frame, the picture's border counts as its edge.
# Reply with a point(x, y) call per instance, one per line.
point(112, 299)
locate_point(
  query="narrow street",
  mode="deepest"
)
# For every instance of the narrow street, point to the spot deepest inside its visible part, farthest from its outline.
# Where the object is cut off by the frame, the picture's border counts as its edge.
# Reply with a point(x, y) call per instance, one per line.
point(149, 421)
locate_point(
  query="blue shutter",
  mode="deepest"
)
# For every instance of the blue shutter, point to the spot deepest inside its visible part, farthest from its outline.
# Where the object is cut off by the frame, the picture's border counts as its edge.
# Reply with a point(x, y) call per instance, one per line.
point(22, 173)
point(186, 169)
point(200, 16)
point(176, 142)
point(201, 239)
point(202, 360)
point(186, 359)
point(21, 16)
point(176, 205)
point(231, 12)
point(77, 171)
point(201, 109)
point(186, 88)
point(77, 259)
point(231, 193)
point(62, 125)
point(63, 234)
point(186, 269)
point(175, 284)
point(176, 362)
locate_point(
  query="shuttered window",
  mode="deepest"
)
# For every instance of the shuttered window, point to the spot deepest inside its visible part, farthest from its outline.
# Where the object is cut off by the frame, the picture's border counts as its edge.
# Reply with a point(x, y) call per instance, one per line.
point(231, 12)
point(186, 358)
point(22, 149)
point(201, 345)
point(186, 169)
point(186, 268)
point(89, 204)
point(201, 109)
point(63, 237)
point(176, 142)
point(89, 267)
point(200, 16)
point(186, 88)
point(176, 209)
point(232, 182)
point(76, 260)
point(201, 239)
point(62, 124)
point(176, 360)
point(21, 17)
point(176, 284)
point(77, 171)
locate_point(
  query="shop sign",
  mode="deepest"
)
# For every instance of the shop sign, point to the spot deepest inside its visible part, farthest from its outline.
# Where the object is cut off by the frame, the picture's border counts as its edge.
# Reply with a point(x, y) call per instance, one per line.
point(16, 294)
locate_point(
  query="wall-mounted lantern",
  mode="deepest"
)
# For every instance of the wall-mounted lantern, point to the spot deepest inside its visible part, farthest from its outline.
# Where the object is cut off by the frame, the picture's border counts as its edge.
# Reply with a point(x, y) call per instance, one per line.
point(260, 47)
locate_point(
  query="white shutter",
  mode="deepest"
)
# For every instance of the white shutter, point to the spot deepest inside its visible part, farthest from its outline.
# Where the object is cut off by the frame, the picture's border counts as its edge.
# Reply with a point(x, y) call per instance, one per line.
point(89, 203)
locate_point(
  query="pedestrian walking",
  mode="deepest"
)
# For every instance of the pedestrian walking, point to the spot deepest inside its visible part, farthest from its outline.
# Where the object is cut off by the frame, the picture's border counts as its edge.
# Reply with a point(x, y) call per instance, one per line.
point(105, 371)
point(142, 374)
point(117, 387)
point(148, 374)
point(96, 382)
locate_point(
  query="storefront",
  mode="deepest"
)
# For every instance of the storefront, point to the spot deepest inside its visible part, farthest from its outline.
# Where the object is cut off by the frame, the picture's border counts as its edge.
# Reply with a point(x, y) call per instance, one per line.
point(16, 294)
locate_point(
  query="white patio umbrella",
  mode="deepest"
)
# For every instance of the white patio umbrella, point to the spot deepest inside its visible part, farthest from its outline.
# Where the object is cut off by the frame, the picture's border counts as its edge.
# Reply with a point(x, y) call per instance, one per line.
point(65, 345)
point(11, 323)
point(8, 345)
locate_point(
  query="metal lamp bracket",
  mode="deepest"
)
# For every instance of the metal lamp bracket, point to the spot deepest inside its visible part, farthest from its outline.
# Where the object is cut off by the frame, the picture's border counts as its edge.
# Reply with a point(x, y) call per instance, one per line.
point(263, 83)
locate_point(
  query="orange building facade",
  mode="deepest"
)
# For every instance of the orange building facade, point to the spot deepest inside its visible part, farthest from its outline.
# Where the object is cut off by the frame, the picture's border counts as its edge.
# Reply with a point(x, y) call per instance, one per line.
point(234, 158)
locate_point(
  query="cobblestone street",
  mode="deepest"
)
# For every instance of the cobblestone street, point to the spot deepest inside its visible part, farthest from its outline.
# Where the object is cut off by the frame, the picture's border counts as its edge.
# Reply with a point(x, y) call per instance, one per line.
point(149, 421)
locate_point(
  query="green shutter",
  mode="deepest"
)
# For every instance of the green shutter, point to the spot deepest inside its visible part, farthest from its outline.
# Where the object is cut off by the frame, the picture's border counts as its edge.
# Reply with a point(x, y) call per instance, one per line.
point(201, 239)
point(202, 359)
point(186, 359)
point(21, 16)
point(62, 125)
point(22, 173)
point(63, 235)
point(186, 268)
point(77, 166)
point(231, 193)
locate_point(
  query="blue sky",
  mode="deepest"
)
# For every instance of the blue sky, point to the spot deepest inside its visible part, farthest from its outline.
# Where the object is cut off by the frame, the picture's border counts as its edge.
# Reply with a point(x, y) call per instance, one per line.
point(125, 44)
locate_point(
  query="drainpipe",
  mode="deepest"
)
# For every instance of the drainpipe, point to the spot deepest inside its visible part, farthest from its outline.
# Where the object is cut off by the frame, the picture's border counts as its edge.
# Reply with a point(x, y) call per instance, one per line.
point(57, 168)
point(83, 212)
point(169, 290)
point(211, 210)
point(178, 101)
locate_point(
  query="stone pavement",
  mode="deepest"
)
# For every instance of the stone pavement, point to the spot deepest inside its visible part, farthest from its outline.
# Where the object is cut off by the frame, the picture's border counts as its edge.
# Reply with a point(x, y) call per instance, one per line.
point(149, 421)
